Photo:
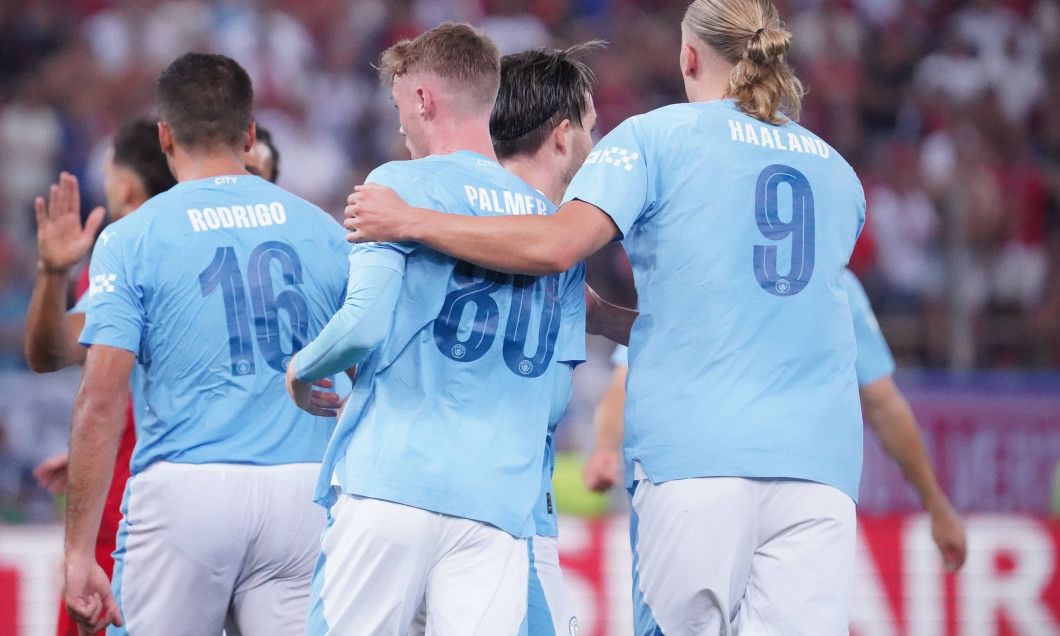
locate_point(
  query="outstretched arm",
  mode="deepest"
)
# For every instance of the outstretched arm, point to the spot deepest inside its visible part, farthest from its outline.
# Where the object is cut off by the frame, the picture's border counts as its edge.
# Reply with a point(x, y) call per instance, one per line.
point(51, 335)
point(99, 417)
point(526, 244)
point(889, 415)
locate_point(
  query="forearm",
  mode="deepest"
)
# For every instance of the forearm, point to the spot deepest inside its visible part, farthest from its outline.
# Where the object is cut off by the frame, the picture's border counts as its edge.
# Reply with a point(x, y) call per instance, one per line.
point(610, 412)
point(358, 327)
point(99, 416)
point(527, 244)
point(899, 436)
point(50, 344)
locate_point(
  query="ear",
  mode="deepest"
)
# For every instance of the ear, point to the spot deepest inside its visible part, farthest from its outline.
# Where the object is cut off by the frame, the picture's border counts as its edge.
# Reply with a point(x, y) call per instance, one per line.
point(165, 138)
point(560, 137)
point(689, 60)
point(128, 186)
point(250, 136)
point(426, 102)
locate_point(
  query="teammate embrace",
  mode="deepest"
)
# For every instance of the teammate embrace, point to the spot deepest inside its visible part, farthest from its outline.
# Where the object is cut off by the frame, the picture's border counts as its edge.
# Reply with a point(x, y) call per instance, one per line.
point(463, 307)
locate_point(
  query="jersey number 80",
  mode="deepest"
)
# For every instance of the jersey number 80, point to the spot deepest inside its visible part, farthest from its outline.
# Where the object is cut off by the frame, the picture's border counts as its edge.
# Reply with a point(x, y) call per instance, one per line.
point(480, 290)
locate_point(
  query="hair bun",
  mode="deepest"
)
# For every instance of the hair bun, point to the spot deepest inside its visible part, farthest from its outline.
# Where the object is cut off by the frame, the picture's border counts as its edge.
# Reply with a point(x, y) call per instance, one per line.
point(766, 45)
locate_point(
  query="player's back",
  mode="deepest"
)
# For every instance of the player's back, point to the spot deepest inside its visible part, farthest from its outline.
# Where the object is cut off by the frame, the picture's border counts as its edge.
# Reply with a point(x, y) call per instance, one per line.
point(450, 413)
point(224, 278)
point(742, 359)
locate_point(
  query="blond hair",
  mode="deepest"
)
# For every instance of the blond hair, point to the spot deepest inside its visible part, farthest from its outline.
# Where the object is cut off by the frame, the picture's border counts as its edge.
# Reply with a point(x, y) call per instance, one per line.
point(750, 35)
point(456, 52)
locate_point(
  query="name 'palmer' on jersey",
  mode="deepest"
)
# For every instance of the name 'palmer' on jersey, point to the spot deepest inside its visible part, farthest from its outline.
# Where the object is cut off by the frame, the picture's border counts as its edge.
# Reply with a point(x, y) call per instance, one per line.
point(504, 201)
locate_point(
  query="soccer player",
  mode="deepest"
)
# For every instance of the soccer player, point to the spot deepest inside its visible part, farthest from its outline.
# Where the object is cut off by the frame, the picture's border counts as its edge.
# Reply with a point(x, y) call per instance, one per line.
point(263, 158)
point(541, 129)
point(206, 291)
point(134, 171)
point(434, 471)
point(885, 409)
point(743, 436)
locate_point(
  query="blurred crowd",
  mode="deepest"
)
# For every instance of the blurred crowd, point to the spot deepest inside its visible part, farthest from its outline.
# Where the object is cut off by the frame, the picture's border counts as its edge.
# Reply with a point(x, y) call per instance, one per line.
point(948, 110)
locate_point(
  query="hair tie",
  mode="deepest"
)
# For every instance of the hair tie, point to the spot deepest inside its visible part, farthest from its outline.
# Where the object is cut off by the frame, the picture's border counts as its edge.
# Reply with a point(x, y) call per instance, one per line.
point(758, 32)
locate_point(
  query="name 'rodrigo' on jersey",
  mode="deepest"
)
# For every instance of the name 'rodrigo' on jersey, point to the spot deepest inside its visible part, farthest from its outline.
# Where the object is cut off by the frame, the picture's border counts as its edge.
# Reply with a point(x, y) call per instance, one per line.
point(742, 358)
point(213, 285)
point(450, 413)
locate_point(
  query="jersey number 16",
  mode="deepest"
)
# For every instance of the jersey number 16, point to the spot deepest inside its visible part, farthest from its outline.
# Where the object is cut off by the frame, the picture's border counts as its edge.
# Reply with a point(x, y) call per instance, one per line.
point(223, 271)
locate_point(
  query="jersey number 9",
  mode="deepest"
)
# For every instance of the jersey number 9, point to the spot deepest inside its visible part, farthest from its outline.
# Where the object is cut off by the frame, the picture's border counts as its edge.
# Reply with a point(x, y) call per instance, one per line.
point(800, 229)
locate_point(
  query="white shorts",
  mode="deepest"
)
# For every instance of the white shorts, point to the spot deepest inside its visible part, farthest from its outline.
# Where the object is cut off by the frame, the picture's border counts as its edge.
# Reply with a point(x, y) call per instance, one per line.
point(742, 557)
point(206, 547)
point(381, 560)
point(549, 609)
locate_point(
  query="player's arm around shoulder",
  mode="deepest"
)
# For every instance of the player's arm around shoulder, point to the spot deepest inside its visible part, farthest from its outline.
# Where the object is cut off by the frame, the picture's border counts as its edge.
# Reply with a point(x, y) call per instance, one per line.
point(525, 244)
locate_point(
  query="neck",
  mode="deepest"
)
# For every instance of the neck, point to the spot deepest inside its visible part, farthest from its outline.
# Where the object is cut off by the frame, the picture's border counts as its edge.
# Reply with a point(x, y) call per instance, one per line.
point(466, 134)
point(707, 91)
point(215, 162)
point(538, 174)
point(709, 79)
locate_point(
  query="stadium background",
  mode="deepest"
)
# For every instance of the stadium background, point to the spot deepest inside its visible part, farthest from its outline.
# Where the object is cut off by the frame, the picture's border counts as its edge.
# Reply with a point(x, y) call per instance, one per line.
point(948, 110)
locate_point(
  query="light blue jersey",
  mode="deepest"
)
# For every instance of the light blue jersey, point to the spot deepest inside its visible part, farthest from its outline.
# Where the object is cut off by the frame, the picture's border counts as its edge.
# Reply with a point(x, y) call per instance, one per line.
point(450, 412)
point(742, 358)
point(213, 285)
point(874, 359)
point(874, 356)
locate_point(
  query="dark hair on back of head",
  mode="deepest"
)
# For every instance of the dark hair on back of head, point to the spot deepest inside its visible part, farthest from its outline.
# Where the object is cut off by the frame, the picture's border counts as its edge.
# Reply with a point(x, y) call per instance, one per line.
point(538, 91)
point(206, 100)
point(136, 147)
point(265, 137)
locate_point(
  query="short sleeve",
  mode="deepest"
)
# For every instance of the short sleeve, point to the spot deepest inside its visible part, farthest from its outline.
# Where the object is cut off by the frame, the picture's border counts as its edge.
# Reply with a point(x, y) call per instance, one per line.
point(874, 359)
point(620, 356)
point(571, 344)
point(407, 182)
point(615, 177)
point(114, 311)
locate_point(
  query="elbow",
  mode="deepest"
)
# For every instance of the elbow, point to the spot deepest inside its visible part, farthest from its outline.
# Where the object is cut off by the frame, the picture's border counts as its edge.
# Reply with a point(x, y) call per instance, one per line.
point(556, 259)
point(41, 362)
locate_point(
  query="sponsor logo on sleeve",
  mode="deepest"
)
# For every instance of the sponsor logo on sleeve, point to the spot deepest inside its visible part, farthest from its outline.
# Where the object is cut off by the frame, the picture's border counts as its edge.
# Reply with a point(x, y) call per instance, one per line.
point(614, 156)
point(101, 283)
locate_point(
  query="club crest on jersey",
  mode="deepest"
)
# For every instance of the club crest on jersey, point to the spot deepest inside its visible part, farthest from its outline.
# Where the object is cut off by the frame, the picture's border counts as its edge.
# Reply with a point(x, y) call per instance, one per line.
point(101, 283)
point(614, 156)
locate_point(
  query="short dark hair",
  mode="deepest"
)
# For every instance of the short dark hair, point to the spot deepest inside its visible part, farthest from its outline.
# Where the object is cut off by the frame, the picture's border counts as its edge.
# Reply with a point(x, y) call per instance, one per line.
point(538, 91)
point(136, 147)
point(265, 137)
point(206, 100)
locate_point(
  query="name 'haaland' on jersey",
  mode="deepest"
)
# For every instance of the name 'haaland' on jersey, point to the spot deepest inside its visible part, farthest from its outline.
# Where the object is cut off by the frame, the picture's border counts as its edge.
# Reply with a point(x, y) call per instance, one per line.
point(773, 137)
point(250, 215)
point(506, 202)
